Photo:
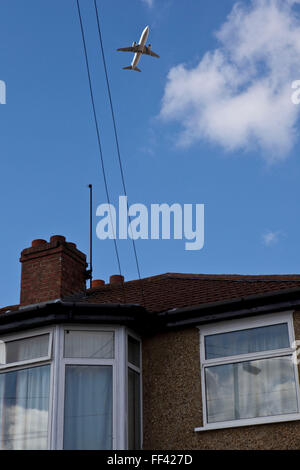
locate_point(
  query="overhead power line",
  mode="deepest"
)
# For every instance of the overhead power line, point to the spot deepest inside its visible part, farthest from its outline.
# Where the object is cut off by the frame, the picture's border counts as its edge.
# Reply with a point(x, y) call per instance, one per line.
point(98, 134)
point(117, 145)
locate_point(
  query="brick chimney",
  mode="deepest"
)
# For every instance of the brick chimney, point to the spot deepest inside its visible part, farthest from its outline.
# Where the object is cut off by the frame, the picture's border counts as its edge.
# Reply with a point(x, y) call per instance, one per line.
point(51, 270)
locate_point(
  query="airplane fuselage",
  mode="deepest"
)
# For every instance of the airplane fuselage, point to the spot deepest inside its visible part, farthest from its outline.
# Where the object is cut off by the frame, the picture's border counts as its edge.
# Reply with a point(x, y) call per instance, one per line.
point(139, 50)
point(141, 45)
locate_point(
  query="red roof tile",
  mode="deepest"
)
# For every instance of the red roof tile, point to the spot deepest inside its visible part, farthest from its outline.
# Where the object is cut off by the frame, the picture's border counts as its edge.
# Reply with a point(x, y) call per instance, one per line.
point(176, 290)
point(171, 290)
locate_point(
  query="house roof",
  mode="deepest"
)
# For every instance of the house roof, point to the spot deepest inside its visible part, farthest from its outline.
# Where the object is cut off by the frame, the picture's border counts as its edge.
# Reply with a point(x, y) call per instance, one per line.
point(170, 291)
point(175, 290)
point(169, 300)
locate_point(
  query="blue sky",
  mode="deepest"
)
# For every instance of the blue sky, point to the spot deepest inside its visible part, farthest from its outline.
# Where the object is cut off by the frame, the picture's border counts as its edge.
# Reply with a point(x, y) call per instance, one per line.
point(211, 122)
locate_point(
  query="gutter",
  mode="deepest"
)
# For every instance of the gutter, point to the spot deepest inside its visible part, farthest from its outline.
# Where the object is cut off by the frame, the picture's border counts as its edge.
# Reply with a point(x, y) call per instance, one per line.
point(59, 311)
point(287, 299)
point(144, 322)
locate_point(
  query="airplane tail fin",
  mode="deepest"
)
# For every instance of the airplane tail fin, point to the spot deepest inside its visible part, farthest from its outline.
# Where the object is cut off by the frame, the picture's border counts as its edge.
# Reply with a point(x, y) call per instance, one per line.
point(131, 68)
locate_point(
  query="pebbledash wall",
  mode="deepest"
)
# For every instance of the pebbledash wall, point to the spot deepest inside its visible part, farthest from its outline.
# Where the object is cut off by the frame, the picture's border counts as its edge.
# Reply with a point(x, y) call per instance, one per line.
point(173, 401)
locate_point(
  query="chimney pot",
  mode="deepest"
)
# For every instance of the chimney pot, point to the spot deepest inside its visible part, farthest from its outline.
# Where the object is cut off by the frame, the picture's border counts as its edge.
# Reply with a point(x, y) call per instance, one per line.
point(116, 279)
point(98, 283)
point(57, 238)
point(38, 242)
point(73, 245)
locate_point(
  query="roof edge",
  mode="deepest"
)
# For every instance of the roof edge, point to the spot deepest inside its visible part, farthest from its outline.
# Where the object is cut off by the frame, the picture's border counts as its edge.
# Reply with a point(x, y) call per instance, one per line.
point(244, 306)
point(73, 312)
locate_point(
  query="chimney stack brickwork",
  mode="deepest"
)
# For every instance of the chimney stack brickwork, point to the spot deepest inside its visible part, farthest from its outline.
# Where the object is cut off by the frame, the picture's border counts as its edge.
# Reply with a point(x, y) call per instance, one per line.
point(51, 270)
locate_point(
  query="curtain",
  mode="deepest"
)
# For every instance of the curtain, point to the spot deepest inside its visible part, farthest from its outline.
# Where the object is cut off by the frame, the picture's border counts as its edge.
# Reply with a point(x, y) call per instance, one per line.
point(264, 387)
point(27, 348)
point(88, 408)
point(91, 344)
point(247, 341)
point(24, 405)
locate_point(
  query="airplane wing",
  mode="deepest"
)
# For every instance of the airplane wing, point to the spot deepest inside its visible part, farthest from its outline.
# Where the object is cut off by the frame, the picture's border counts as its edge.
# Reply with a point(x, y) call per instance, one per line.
point(149, 51)
point(128, 49)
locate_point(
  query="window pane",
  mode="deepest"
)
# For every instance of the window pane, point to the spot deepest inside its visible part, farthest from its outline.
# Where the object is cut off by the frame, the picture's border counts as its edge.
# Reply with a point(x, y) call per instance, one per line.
point(133, 351)
point(24, 349)
point(24, 405)
point(88, 408)
point(89, 344)
point(247, 341)
point(134, 410)
point(265, 387)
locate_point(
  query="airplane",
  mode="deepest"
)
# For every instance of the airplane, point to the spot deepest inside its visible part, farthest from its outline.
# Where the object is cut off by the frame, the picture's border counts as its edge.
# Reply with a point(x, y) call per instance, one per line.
point(138, 50)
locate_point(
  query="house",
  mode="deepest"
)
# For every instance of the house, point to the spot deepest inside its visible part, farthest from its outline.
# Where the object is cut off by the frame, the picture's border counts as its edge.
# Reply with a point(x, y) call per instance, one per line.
point(173, 361)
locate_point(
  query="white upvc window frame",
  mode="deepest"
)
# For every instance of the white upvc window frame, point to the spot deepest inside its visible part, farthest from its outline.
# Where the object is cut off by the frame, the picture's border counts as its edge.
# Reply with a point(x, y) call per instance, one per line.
point(242, 324)
point(24, 335)
point(30, 363)
point(118, 381)
point(129, 365)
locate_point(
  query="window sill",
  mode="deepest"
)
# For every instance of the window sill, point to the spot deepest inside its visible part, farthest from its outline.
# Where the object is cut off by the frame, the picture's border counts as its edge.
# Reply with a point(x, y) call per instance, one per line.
point(249, 422)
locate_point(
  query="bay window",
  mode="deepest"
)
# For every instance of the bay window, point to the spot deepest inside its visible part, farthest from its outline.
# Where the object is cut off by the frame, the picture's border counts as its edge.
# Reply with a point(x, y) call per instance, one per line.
point(248, 373)
point(65, 388)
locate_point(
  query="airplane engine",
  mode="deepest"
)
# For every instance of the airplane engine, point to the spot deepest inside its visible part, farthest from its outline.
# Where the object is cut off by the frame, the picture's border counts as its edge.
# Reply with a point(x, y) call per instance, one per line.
point(149, 46)
point(133, 44)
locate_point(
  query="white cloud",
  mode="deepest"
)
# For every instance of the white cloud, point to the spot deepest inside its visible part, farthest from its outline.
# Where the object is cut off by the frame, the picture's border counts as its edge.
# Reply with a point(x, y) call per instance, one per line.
point(239, 95)
point(150, 2)
point(27, 428)
point(271, 238)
